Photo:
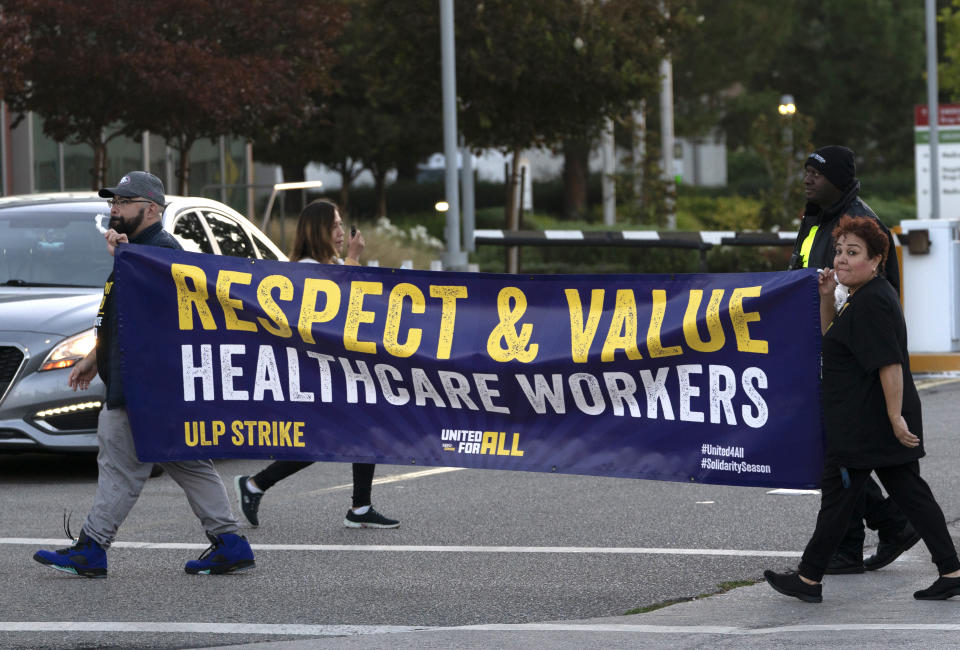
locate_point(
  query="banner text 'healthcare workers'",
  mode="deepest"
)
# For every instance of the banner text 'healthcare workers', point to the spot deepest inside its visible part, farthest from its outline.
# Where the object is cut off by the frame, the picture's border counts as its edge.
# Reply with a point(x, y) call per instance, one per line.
point(700, 378)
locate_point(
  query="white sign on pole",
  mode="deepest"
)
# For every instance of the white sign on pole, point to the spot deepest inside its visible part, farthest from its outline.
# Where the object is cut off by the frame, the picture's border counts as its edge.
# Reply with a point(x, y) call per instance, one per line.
point(948, 132)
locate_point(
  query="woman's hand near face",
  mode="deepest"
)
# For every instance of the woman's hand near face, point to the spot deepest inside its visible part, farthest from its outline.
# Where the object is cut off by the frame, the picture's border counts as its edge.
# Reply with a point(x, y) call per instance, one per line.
point(903, 434)
point(826, 284)
point(355, 246)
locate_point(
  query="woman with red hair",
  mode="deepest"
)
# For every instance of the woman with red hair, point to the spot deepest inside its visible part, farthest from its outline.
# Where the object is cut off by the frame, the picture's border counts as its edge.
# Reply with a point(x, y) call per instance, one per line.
point(871, 414)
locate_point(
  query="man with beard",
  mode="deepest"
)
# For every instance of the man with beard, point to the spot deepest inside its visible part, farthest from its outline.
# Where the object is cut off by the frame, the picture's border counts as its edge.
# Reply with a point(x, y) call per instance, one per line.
point(832, 191)
point(136, 210)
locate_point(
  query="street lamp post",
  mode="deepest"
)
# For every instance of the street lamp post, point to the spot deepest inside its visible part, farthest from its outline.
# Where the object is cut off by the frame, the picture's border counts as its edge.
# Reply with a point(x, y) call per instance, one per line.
point(455, 258)
point(787, 106)
point(933, 106)
point(787, 110)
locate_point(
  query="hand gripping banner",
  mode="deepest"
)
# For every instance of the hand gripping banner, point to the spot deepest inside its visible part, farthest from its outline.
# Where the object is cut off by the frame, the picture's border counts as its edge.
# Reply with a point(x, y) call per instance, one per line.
point(708, 378)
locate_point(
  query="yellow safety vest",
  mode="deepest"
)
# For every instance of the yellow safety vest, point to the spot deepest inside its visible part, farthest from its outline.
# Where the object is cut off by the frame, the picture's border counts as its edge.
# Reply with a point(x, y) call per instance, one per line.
point(807, 245)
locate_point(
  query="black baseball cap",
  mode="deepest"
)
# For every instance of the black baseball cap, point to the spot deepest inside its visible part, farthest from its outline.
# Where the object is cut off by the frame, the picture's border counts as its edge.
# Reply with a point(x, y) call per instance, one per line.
point(143, 184)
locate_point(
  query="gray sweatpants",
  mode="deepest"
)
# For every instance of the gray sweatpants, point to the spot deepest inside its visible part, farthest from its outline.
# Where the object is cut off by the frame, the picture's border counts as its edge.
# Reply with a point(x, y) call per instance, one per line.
point(122, 477)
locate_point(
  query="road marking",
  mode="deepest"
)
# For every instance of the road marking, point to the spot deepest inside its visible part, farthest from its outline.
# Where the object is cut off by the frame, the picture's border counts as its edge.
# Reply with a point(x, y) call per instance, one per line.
point(205, 628)
point(705, 629)
point(792, 492)
point(395, 478)
point(922, 384)
point(388, 548)
point(355, 630)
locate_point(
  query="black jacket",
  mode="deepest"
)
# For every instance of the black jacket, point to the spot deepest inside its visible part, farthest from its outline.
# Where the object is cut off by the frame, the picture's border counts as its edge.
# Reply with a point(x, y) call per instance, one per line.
point(822, 251)
point(108, 325)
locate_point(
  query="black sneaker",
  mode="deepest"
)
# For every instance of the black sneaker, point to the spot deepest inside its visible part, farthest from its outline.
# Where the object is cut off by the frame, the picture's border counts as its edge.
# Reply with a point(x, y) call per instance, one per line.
point(371, 519)
point(249, 501)
point(942, 589)
point(790, 584)
point(843, 563)
point(887, 552)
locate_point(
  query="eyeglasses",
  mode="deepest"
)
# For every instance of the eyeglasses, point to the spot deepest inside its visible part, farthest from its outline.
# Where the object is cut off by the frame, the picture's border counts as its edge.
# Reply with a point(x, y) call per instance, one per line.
point(122, 203)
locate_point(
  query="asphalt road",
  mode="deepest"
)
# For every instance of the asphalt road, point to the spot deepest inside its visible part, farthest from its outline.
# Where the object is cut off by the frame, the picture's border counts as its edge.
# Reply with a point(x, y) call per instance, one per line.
point(506, 550)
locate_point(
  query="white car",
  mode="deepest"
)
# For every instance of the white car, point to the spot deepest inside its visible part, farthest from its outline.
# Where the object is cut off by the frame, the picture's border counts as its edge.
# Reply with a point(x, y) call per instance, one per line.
point(53, 264)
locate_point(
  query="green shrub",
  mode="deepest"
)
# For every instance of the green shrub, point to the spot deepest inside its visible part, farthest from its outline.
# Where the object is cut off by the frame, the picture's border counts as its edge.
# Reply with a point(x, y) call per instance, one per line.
point(891, 184)
point(436, 222)
point(548, 195)
point(719, 213)
point(583, 259)
point(746, 175)
point(892, 211)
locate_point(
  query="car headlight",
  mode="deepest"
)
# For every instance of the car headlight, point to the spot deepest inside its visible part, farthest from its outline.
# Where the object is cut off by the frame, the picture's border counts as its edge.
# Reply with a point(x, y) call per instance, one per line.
point(70, 350)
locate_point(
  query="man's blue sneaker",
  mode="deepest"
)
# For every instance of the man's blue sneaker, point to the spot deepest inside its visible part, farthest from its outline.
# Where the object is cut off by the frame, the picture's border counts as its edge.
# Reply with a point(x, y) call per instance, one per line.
point(228, 553)
point(85, 558)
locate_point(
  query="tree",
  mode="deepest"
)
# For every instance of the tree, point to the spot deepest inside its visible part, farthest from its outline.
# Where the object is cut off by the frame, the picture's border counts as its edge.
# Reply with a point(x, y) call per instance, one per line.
point(855, 67)
point(257, 70)
point(528, 74)
point(731, 44)
point(401, 120)
point(15, 51)
point(948, 72)
point(292, 148)
point(79, 76)
point(783, 144)
point(540, 72)
point(852, 105)
point(383, 111)
point(185, 69)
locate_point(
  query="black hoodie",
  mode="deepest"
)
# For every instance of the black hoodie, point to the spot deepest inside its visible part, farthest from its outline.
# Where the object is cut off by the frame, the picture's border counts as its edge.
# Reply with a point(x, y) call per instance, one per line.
point(822, 252)
point(108, 324)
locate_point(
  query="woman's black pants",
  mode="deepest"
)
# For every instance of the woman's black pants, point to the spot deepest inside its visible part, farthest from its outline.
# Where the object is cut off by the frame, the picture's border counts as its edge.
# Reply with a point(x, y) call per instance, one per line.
point(908, 490)
point(281, 469)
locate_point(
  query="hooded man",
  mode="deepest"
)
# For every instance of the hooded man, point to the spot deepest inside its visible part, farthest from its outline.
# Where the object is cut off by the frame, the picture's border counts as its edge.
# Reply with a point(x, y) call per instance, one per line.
point(832, 191)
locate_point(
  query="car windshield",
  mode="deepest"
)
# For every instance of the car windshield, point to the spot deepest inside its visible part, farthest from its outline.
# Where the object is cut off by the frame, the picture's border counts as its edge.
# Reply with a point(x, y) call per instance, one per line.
point(53, 244)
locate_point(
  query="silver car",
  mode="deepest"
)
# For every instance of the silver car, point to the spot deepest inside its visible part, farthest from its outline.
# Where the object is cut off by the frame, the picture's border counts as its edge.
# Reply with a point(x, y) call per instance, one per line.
point(53, 265)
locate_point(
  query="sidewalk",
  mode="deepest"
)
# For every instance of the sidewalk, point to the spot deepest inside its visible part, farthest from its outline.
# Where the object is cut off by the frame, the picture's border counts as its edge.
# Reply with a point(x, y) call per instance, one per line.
point(874, 609)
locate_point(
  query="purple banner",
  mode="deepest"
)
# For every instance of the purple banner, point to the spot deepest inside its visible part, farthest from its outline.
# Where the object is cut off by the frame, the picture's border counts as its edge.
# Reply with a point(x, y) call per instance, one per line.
point(709, 378)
